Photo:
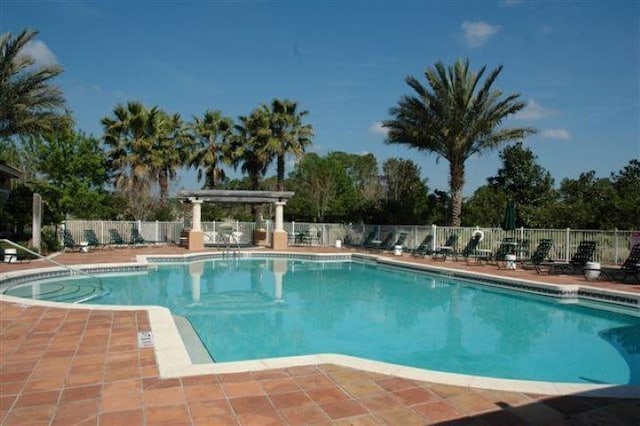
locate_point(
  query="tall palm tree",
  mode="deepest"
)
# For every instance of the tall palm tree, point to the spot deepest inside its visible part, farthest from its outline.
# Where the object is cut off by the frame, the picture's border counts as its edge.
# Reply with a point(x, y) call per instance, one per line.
point(29, 104)
point(130, 135)
point(459, 117)
point(248, 149)
point(289, 134)
point(253, 133)
point(212, 134)
point(170, 150)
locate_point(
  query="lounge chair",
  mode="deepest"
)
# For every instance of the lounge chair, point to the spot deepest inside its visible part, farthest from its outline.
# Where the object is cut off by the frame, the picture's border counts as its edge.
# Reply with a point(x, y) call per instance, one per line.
point(367, 240)
point(91, 237)
point(539, 256)
point(115, 238)
point(425, 247)
point(136, 237)
point(507, 246)
point(630, 267)
point(471, 249)
point(68, 241)
point(385, 244)
point(402, 238)
point(583, 254)
point(448, 248)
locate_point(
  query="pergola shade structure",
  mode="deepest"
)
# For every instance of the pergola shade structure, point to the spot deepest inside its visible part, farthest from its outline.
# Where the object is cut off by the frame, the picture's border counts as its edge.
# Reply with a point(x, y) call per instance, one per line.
point(196, 198)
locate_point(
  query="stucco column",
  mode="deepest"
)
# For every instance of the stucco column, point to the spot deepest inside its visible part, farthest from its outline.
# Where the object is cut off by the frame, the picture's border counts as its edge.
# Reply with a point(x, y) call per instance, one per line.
point(196, 210)
point(280, 215)
point(196, 236)
point(279, 240)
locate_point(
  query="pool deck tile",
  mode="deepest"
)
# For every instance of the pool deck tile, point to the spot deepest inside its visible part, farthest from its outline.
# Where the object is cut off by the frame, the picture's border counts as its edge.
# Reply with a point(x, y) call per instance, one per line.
point(82, 366)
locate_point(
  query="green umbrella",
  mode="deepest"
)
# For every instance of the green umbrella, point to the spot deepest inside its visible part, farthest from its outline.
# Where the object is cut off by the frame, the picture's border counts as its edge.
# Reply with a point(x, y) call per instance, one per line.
point(509, 223)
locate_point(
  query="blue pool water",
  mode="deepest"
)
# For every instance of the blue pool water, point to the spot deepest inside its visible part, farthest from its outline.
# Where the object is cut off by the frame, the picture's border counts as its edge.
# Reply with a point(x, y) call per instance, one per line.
point(240, 311)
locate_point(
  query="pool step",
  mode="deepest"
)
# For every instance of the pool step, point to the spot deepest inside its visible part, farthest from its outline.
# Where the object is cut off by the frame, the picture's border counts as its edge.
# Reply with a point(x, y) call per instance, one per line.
point(58, 292)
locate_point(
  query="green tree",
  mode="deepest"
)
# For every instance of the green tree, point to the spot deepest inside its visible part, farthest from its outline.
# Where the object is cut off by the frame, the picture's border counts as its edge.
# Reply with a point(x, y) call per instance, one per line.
point(323, 190)
point(627, 202)
point(30, 105)
point(405, 193)
point(71, 169)
point(9, 153)
point(585, 203)
point(212, 133)
point(526, 182)
point(457, 118)
point(485, 207)
point(289, 135)
point(362, 173)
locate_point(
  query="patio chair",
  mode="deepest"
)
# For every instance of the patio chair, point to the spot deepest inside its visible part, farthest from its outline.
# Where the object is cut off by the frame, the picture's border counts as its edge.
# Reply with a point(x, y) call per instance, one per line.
point(447, 249)
point(424, 248)
point(115, 238)
point(390, 246)
point(385, 244)
point(67, 240)
point(583, 254)
point(471, 249)
point(136, 237)
point(630, 267)
point(539, 256)
point(367, 240)
point(507, 246)
point(91, 237)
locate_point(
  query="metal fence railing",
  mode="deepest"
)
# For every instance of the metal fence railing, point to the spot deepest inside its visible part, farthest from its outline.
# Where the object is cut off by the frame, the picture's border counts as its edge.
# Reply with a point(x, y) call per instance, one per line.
point(612, 246)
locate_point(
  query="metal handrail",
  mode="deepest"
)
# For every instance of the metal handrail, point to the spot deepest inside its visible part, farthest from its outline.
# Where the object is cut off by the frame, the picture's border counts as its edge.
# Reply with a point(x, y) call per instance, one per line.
point(72, 271)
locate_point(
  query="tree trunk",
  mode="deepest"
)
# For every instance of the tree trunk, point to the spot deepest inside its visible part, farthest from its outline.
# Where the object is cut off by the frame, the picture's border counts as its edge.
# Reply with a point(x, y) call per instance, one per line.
point(280, 185)
point(163, 181)
point(456, 182)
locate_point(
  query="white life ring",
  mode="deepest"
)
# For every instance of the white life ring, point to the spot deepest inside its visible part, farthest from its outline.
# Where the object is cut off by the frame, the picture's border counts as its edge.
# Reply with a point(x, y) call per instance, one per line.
point(478, 233)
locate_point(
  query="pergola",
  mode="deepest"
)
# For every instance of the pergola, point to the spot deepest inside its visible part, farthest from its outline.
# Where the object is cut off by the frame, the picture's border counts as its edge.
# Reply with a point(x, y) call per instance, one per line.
point(196, 198)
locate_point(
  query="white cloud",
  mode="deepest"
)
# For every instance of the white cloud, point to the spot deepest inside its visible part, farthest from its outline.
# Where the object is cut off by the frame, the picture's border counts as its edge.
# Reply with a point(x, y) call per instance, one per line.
point(476, 33)
point(556, 134)
point(40, 53)
point(378, 129)
point(533, 111)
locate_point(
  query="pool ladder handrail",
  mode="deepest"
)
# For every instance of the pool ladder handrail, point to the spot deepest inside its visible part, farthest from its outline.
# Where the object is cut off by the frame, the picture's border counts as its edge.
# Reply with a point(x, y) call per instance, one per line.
point(72, 271)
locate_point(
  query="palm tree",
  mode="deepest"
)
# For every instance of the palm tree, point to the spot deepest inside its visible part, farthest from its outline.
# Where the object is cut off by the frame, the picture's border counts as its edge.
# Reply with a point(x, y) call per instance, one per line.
point(170, 150)
point(130, 135)
point(29, 104)
point(289, 134)
point(253, 133)
point(454, 120)
point(212, 133)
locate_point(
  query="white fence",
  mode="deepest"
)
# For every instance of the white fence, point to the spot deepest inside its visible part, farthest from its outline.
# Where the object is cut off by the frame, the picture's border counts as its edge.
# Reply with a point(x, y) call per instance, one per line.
point(612, 246)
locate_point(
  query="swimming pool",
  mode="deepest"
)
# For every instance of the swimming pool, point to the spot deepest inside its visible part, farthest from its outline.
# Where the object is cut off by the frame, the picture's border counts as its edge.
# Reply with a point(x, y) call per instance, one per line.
point(261, 308)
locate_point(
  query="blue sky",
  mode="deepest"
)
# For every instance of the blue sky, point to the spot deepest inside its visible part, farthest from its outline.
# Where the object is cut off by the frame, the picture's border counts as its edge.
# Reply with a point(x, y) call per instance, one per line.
point(576, 64)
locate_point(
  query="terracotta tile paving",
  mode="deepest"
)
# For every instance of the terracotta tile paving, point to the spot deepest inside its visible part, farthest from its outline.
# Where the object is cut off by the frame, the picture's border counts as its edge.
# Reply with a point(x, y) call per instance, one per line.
point(68, 366)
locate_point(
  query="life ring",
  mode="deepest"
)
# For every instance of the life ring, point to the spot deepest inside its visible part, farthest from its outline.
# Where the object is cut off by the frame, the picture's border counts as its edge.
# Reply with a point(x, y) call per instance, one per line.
point(478, 233)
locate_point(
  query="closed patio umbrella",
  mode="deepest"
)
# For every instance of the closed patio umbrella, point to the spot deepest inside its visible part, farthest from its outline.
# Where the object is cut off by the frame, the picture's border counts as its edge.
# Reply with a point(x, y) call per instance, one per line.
point(509, 222)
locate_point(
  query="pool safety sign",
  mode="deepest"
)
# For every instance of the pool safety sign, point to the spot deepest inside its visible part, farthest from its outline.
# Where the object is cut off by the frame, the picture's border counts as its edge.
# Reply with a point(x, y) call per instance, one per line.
point(145, 339)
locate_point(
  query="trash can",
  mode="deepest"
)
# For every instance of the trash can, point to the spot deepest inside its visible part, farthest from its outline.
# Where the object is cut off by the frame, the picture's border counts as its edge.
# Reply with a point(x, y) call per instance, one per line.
point(338, 243)
point(511, 261)
point(10, 255)
point(592, 271)
point(397, 250)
